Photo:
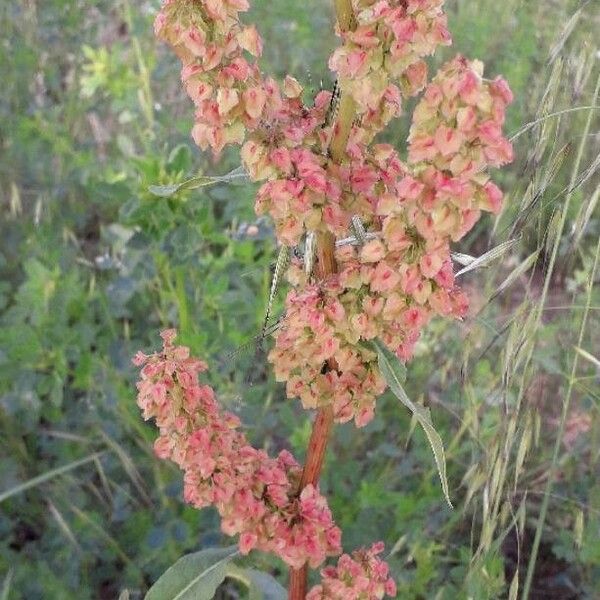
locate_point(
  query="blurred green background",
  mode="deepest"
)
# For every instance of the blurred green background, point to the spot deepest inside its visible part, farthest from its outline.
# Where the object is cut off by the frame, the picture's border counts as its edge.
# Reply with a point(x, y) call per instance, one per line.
point(93, 266)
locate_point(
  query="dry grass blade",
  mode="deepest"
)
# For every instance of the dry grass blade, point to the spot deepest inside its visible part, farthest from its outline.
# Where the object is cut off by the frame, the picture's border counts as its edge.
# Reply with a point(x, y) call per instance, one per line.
point(48, 475)
point(525, 128)
point(589, 357)
point(462, 259)
point(488, 257)
point(128, 465)
point(524, 447)
point(520, 338)
point(281, 265)
point(253, 343)
point(546, 106)
point(103, 479)
point(513, 591)
point(552, 472)
point(64, 526)
point(585, 63)
point(565, 34)
point(583, 178)
point(579, 527)
point(553, 230)
point(584, 214)
point(15, 203)
point(536, 191)
point(102, 533)
point(475, 480)
point(64, 435)
point(519, 270)
point(584, 218)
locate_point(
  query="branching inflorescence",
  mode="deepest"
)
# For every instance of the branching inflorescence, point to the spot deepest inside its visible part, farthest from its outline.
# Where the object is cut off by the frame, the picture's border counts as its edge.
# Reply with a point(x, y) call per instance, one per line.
point(321, 176)
point(256, 496)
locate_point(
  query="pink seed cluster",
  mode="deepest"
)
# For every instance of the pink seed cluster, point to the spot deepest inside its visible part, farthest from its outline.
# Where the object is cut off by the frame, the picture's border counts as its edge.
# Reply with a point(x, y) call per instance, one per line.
point(455, 135)
point(381, 58)
point(317, 331)
point(390, 286)
point(256, 495)
point(359, 576)
point(219, 72)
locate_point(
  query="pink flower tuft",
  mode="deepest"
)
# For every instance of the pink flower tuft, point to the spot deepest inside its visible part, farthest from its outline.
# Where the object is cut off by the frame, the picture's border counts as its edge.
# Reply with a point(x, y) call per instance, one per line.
point(256, 496)
point(361, 575)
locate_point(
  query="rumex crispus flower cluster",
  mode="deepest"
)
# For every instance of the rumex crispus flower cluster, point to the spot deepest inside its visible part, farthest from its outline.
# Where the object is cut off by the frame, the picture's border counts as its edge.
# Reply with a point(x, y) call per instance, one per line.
point(256, 496)
point(392, 285)
point(323, 174)
point(381, 58)
point(359, 576)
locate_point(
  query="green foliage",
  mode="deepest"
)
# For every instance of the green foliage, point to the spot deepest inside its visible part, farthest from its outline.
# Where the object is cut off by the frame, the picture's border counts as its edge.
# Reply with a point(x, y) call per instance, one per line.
point(197, 576)
point(194, 577)
point(93, 264)
point(394, 373)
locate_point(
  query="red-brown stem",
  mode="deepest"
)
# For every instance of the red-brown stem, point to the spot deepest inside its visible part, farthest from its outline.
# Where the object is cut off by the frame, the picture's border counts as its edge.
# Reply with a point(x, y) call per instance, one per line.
point(315, 454)
point(298, 583)
point(316, 447)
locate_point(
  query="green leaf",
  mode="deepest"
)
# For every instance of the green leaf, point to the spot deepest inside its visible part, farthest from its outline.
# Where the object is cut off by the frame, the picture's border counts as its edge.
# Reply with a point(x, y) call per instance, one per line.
point(195, 576)
point(166, 191)
point(383, 352)
point(265, 587)
point(6, 585)
point(261, 585)
point(394, 373)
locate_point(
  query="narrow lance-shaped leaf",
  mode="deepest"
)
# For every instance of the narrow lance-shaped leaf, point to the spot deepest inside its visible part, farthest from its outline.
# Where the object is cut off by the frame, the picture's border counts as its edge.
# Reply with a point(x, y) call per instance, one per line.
point(195, 576)
point(261, 585)
point(6, 585)
point(264, 587)
point(283, 261)
point(48, 475)
point(462, 259)
point(488, 257)
point(394, 373)
point(165, 191)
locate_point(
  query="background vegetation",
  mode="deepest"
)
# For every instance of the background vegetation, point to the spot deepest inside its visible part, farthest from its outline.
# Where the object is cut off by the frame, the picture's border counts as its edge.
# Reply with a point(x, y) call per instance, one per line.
point(93, 265)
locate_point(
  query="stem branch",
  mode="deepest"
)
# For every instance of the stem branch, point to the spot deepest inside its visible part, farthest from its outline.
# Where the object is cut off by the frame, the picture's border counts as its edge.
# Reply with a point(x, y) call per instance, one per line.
point(315, 454)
